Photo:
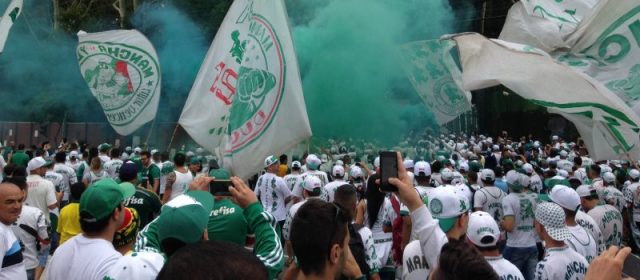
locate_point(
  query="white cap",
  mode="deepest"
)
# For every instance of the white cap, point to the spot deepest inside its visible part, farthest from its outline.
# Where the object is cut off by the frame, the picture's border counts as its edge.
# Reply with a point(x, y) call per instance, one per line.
point(153, 152)
point(296, 164)
point(528, 168)
point(311, 183)
point(609, 177)
point(496, 147)
point(481, 226)
point(446, 204)
point(554, 137)
point(487, 175)
point(356, 172)
point(189, 153)
point(446, 174)
point(270, 160)
point(408, 163)
point(73, 154)
point(422, 168)
point(199, 150)
point(137, 150)
point(339, 162)
point(138, 265)
point(127, 149)
point(324, 158)
point(634, 173)
point(563, 173)
point(36, 163)
point(552, 217)
point(337, 171)
point(313, 162)
point(376, 162)
point(566, 197)
point(514, 179)
point(586, 190)
point(464, 167)
point(563, 153)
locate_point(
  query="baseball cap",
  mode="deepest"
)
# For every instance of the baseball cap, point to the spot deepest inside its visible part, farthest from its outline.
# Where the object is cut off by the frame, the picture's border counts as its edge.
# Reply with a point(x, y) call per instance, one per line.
point(127, 149)
point(552, 217)
point(337, 171)
point(356, 172)
point(185, 217)
point(475, 166)
point(270, 160)
point(324, 158)
point(487, 175)
point(137, 265)
point(634, 173)
point(153, 152)
point(73, 154)
point(513, 179)
point(311, 183)
point(566, 197)
point(128, 171)
point(422, 169)
point(313, 162)
point(586, 190)
point(104, 147)
point(37, 162)
point(99, 199)
point(481, 226)
point(129, 228)
point(446, 174)
point(376, 162)
point(446, 205)
point(339, 162)
point(463, 167)
point(609, 177)
point(408, 163)
point(563, 173)
point(528, 168)
point(137, 150)
point(296, 164)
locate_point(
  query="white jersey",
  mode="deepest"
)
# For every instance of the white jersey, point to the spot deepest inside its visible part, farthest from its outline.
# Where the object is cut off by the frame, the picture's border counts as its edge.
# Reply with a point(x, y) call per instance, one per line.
point(42, 193)
point(93, 176)
point(382, 240)
point(630, 193)
point(535, 183)
point(54, 178)
point(292, 181)
point(286, 228)
point(74, 165)
point(324, 179)
point(431, 236)
point(616, 198)
point(424, 192)
point(521, 206)
point(181, 185)
point(11, 259)
point(504, 268)
point(33, 218)
point(272, 192)
point(588, 223)
point(82, 258)
point(582, 242)
point(68, 178)
point(369, 248)
point(609, 220)
point(331, 188)
point(561, 263)
point(104, 158)
point(414, 264)
point(489, 199)
point(113, 168)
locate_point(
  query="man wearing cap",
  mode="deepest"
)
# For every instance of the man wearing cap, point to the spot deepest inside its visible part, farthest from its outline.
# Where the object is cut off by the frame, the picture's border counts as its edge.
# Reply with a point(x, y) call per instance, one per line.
point(91, 254)
point(606, 219)
point(312, 190)
point(295, 177)
point(217, 172)
point(272, 191)
point(489, 197)
point(73, 162)
point(146, 203)
point(150, 173)
point(313, 165)
point(581, 239)
point(422, 176)
point(42, 192)
point(337, 173)
point(535, 182)
point(178, 181)
point(484, 234)
point(518, 219)
point(227, 221)
point(68, 174)
point(112, 166)
point(560, 261)
point(104, 152)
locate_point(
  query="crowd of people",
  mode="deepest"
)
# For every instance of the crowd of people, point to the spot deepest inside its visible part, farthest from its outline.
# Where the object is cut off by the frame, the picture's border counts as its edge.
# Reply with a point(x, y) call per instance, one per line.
point(466, 207)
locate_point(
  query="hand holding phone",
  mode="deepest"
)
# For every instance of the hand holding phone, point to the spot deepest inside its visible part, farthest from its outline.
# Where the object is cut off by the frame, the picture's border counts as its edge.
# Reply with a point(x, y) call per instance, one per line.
point(388, 169)
point(220, 187)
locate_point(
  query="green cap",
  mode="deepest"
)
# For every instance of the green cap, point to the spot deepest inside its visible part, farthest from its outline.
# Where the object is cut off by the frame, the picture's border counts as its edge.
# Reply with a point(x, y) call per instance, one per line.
point(185, 217)
point(195, 160)
point(99, 199)
point(104, 147)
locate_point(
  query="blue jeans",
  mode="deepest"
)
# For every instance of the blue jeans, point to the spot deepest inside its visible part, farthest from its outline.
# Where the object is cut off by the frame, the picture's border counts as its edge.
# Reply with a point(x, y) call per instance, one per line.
point(525, 259)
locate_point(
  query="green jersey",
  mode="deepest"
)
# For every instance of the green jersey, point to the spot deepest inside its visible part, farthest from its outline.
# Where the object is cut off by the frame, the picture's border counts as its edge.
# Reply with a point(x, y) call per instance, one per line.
point(20, 159)
point(149, 174)
point(147, 203)
point(147, 239)
point(227, 222)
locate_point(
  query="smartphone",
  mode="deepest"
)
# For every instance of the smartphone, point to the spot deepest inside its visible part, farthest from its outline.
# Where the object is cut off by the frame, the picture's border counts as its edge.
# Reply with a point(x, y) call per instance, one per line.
point(388, 169)
point(220, 187)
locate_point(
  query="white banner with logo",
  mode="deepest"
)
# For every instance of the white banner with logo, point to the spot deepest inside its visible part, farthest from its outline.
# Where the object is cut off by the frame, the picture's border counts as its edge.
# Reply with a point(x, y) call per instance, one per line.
point(122, 71)
point(608, 126)
point(8, 18)
point(247, 98)
point(435, 77)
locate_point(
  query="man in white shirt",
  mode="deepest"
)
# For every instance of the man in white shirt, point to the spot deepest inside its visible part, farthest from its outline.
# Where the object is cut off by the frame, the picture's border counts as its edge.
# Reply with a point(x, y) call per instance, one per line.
point(91, 254)
point(68, 176)
point(311, 190)
point(581, 239)
point(560, 261)
point(11, 258)
point(422, 178)
point(313, 163)
point(483, 233)
point(104, 152)
point(606, 217)
point(272, 191)
point(112, 166)
point(295, 177)
point(489, 197)
point(337, 173)
point(42, 193)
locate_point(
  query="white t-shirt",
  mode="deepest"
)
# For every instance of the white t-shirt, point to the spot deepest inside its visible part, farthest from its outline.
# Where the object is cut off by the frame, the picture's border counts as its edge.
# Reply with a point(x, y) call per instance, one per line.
point(331, 188)
point(82, 258)
point(93, 177)
point(113, 168)
point(490, 200)
point(324, 179)
point(11, 259)
point(42, 193)
point(588, 223)
point(68, 178)
point(521, 206)
point(631, 198)
point(617, 197)
point(504, 268)
point(74, 165)
point(609, 220)
point(54, 178)
point(286, 228)
point(424, 191)
point(181, 185)
point(582, 242)
point(34, 218)
point(104, 158)
point(292, 181)
point(272, 191)
point(561, 263)
point(414, 264)
point(369, 248)
point(535, 183)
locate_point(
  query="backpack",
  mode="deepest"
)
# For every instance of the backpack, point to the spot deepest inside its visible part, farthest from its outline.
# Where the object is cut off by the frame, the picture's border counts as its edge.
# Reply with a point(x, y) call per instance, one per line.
point(356, 245)
point(397, 224)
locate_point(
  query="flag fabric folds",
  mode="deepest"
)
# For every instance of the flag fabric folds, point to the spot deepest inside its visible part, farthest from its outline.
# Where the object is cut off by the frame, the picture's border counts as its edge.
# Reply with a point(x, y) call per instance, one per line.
point(10, 15)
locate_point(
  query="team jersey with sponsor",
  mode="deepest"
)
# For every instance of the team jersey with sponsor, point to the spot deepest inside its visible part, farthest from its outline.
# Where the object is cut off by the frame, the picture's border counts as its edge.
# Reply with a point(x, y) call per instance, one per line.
point(330, 188)
point(42, 193)
point(11, 258)
point(609, 220)
point(490, 200)
point(588, 223)
point(382, 240)
point(33, 218)
point(582, 242)
point(227, 222)
point(113, 168)
point(181, 185)
point(146, 202)
point(414, 263)
point(521, 206)
point(149, 174)
point(505, 269)
point(561, 263)
point(69, 178)
point(272, 191)
point(371, 255)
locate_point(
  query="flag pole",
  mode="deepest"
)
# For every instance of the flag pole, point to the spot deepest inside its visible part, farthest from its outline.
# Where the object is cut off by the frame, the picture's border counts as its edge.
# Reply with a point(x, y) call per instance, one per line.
point(173, 136)
point(146, 141)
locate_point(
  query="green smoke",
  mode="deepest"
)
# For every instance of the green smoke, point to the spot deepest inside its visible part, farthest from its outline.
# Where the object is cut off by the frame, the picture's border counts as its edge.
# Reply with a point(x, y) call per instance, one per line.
point(348, 51)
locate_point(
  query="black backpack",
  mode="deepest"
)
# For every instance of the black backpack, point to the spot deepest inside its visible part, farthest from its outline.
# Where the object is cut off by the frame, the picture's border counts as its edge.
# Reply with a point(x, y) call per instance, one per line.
point(356, 245)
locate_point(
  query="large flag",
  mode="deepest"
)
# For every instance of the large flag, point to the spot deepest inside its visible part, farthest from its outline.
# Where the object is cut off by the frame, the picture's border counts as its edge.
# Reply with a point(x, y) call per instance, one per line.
point(247, 98)
point(609, 127)
point(600, 39)
point(8, 18)
point(435, 77)
point(122, 71)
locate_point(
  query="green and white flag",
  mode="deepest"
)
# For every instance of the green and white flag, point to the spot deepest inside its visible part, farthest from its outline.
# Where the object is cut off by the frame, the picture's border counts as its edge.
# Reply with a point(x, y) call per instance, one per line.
point(608, 126)
point(247, 98)
point(8, 18)
point(122, 71)
point(435, 77)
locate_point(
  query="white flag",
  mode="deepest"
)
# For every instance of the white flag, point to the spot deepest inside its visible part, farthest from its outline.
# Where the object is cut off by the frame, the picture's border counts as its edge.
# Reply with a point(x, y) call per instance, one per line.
point(122, 71)
point(609, 128)
point(436, 78)
point(10, 15)
point(247, 98)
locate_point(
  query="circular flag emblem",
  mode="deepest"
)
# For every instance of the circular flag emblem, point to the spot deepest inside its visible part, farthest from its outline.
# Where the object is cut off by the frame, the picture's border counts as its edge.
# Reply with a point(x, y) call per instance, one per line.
point(435, 205)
